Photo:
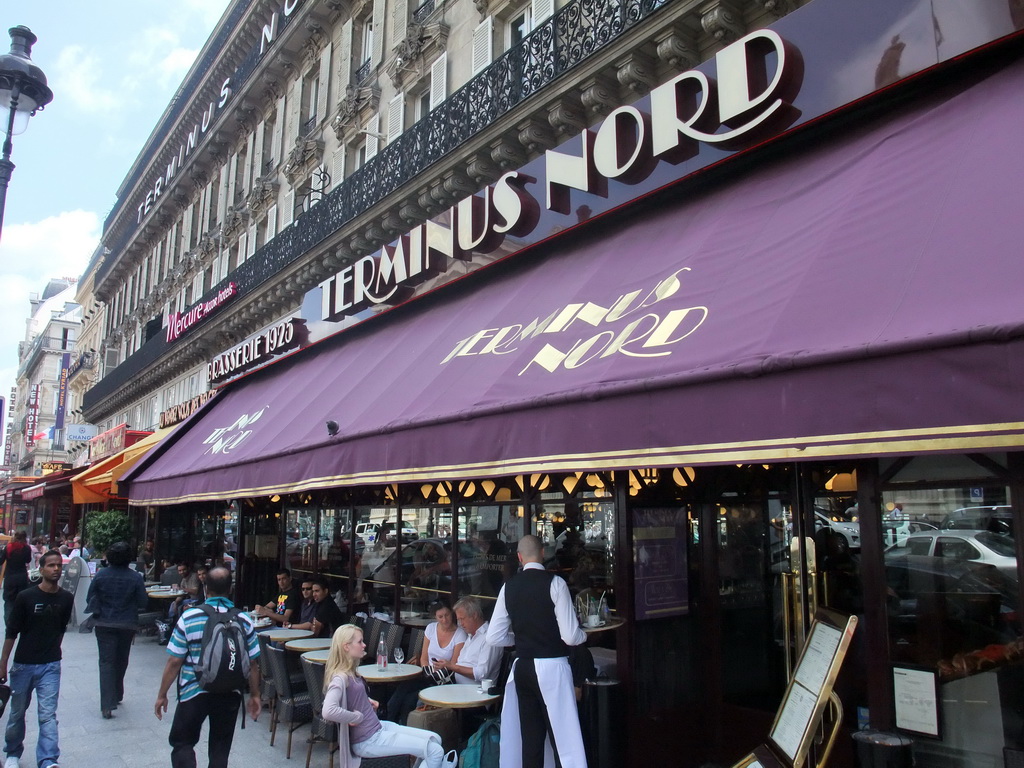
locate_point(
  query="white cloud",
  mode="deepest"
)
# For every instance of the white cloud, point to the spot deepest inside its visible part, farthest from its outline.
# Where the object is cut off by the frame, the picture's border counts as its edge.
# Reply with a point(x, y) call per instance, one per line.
point(31, 254)
point(77, 78)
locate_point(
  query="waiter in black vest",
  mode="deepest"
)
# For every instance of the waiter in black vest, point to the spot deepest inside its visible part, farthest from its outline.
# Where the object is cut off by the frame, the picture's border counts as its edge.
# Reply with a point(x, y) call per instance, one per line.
point(534, 611)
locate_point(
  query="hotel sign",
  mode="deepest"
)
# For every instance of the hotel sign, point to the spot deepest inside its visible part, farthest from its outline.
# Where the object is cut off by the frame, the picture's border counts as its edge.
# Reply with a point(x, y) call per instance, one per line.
point(750, 100)
point(180, 322)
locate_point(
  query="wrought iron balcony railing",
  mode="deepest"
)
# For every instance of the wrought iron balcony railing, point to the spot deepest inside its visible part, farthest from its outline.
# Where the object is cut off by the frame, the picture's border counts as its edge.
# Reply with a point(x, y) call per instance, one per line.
point(554, 48)
point(363, 72)
point(423, 11)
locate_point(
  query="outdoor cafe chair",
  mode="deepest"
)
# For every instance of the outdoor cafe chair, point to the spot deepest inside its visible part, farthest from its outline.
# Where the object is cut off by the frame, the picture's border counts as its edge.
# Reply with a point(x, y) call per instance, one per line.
point(293, 707)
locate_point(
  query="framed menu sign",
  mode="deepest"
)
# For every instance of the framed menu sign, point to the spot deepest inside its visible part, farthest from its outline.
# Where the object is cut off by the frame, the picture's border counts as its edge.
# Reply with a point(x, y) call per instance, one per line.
point(807, 694)
point(916, 691)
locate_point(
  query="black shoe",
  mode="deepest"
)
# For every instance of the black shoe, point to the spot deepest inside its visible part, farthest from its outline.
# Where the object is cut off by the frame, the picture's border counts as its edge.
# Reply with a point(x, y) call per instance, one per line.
point(107, 714)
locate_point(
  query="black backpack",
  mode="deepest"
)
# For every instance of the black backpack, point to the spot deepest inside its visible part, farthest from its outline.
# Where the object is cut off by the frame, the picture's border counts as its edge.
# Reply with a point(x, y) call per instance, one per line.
point(223, 664)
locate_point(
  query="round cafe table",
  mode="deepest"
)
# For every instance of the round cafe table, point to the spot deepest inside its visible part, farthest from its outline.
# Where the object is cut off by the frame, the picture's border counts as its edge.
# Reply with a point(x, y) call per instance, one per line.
point(459, 696)
point(164, 594)
point(395, 673)
point(317, 657)
point(284, 635)
point(304, 644)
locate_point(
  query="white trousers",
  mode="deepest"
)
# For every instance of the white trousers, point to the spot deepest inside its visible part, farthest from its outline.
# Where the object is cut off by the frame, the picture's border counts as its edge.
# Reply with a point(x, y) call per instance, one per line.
point(395, 739)
point(554, 678)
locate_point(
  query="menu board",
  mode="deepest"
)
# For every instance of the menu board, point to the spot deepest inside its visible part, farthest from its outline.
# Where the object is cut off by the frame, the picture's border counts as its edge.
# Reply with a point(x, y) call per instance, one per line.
point(811, 686)
point(916, 693)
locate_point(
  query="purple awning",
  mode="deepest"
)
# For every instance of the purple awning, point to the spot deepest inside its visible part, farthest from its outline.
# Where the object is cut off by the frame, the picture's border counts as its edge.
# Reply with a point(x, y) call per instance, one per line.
point(859, 299)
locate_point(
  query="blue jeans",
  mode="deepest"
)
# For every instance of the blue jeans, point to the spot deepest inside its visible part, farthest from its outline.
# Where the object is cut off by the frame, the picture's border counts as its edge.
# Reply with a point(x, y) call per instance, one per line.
point(45, 680)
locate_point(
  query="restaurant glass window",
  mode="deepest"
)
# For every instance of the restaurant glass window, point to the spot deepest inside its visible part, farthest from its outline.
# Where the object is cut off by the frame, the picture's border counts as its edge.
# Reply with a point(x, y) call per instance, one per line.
point(487, 552)
point(574, 516)
point(952, 599)
point(335, 548)
point(300, 539)
point(376, 537)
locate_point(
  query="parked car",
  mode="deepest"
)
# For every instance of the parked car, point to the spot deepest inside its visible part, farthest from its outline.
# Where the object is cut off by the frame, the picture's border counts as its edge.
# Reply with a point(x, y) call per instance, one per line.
point(997, 519)
point(939, 607)
point(369, 532)
point(847, 531)
point(964, 546)
point(895, 531)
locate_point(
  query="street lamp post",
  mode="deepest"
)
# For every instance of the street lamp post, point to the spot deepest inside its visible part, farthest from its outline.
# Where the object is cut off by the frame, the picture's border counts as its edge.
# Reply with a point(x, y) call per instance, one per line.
point(23, 92)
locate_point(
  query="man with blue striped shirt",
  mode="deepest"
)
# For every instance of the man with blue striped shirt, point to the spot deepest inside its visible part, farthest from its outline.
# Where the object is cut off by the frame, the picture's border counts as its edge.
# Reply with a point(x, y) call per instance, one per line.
point(194, 704)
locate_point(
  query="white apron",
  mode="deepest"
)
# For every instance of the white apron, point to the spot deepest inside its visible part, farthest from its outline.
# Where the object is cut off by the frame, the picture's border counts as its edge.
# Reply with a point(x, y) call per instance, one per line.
point(555, 680)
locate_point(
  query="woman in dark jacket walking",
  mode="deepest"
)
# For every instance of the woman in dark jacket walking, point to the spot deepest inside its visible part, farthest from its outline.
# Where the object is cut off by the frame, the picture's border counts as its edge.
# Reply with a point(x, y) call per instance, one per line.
point(116, 595)
point(16, 557)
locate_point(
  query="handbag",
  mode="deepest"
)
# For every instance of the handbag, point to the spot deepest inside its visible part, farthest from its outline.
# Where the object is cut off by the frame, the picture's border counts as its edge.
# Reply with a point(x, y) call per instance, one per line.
point(5, 696)
point(439, 676)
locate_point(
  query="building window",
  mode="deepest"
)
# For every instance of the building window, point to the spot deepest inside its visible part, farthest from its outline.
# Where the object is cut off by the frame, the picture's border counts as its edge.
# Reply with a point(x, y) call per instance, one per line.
point(366, 49)
point(310, 94)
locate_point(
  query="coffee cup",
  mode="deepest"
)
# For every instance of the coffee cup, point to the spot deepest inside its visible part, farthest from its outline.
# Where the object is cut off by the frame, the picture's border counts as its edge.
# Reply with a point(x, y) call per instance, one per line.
point(593, 620)
point(486, 684)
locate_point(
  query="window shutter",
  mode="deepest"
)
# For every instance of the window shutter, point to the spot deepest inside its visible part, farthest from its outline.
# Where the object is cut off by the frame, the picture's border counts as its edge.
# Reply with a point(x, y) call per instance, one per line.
point(325, 82)
point(291, 130)
point(289, 209)
point(372, 142)
point(540, 10)
point(345, 59)
point(257, 149)
point(396, 117)
point(483, 37)
point(251, 249)
point(278, 136)
point(232, 175)
point(438, 80)
point(338, 166)
point(400, 22)
point(271, 223)
point(247, 171)
point(242, 250)
point(377, 52)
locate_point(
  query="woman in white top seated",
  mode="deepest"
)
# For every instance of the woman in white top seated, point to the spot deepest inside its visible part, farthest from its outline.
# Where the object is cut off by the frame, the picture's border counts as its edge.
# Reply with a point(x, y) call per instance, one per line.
point(443, 642)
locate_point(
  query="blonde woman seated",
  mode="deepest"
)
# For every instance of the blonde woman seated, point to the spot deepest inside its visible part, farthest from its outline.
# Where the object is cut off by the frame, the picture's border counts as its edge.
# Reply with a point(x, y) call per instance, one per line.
point(346, 702)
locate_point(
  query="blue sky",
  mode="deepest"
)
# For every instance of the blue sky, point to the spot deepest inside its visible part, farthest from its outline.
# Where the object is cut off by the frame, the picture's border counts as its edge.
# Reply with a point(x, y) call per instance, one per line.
point(113, 66)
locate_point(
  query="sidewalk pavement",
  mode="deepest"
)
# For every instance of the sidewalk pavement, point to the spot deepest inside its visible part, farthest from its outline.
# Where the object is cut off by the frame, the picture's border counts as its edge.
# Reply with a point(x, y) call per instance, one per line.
point(134, 738)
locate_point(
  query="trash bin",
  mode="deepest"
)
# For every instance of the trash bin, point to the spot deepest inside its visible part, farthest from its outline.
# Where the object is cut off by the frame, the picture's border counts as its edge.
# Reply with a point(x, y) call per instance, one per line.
point(601, 718)
point(878, 749)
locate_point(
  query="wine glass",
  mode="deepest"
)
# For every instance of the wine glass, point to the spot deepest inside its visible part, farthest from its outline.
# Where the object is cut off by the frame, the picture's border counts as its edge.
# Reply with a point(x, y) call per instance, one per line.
point(399, 655)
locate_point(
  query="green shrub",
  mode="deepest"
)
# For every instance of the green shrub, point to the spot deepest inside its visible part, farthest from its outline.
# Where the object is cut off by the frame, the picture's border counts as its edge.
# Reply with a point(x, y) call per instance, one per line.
point(105, 528)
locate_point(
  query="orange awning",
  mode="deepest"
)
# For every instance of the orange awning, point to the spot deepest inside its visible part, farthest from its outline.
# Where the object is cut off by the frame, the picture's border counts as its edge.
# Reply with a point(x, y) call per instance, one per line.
point(98, 483)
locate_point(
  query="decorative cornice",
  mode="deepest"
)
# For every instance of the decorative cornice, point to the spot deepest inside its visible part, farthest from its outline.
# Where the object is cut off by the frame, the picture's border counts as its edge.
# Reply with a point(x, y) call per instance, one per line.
point(264, 192)
point(356, 106)
point(677, 47)
point(636, 72)
point(303, 157)
point(567, 116)
point(723, 21)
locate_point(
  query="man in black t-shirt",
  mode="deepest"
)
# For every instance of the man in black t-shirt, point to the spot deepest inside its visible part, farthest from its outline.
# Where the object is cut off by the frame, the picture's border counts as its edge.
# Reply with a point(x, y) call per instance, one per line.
point(40, 616)
point(285, 607)
point(328, 616)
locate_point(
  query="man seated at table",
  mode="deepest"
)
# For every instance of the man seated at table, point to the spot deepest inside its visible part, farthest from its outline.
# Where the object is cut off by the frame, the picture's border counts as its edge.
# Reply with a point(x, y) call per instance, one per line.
point(328, 615)
point(286, 604)
point(189, 584)
point(478, 660)
point(307, 611)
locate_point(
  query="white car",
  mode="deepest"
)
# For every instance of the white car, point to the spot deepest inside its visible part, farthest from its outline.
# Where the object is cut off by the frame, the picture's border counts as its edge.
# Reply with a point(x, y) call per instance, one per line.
point(849, 532)
point(897, 530)
point(964, 546)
